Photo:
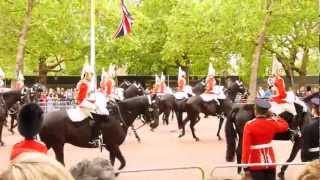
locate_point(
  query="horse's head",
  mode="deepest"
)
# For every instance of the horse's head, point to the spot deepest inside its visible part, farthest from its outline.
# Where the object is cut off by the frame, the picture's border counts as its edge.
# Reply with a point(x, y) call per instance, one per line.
point(25, 95)
point(125, 84)
point(151, 114)
point(36, 90)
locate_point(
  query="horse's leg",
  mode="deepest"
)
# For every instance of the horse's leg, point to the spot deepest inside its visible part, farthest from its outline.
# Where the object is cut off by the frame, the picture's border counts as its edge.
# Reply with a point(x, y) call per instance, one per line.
point(221, 119)
point(183, 124)
point(1, 126)
point(165, 117)
point(238, 154)
point(112, 155)
point(58, 150)
point(193, 122)
point(293, 154)
point(119, 156)
point(136, 134)
point(179, 119)
point(13, 118)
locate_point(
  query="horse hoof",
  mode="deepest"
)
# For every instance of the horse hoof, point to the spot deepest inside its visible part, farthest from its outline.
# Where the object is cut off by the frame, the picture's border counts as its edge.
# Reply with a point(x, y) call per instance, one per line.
point(197, 139)
point(219, 138)
point(180, 135)
point(1, 143)
point(281, 175)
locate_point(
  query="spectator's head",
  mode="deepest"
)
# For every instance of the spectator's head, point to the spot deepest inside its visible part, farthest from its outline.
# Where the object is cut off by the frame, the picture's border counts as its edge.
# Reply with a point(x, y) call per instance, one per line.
point(97, 168)
point(308, 88)
point(262, 107)
point(30, 120)
point(35, 166)
point(311, 171)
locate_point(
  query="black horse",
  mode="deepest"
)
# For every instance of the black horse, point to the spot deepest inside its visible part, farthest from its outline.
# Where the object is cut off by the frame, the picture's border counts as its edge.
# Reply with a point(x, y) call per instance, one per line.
point(133, 90)
point(196, 105)
point(241, 113)
point(58, 129)
point(180, 104)
point(8, 99)
point(35, 92)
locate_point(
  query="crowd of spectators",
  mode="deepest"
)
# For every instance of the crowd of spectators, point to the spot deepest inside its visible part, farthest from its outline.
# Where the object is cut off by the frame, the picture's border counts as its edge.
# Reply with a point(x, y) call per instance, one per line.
point(57, 94)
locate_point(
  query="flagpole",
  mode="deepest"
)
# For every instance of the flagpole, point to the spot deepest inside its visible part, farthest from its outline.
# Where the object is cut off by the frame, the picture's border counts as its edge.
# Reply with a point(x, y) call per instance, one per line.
point(92, 45)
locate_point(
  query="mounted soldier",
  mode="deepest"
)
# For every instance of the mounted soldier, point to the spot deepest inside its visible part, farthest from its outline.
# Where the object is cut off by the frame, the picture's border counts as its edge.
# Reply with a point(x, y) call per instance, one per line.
point(210, 80)
point(20, 81)
point(213, 91)
point(156, 86)
point(280, 102)
point(162, 84)
point(110, 83)
point(183, 90)
point(86, 101)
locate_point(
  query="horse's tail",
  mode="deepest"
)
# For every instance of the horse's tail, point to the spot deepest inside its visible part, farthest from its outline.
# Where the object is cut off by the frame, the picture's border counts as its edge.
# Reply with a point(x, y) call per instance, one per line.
point(231, 135)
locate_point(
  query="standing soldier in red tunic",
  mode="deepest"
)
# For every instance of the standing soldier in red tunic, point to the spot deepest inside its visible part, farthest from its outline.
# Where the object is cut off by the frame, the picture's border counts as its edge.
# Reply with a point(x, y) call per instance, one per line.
point(29, 124)
point(20, 81)
point(181, 80)
point(257, 136)
point(210, 80)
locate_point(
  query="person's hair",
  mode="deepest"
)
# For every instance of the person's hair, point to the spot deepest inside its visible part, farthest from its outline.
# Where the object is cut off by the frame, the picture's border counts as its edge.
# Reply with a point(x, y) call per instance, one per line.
point(97, 168)
point(311, 171)
point(35, 166)
point(308, 88)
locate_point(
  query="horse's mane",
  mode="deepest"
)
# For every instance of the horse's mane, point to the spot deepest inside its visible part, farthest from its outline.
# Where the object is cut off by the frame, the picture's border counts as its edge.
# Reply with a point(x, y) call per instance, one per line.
point(308, 98)
point(132, 102)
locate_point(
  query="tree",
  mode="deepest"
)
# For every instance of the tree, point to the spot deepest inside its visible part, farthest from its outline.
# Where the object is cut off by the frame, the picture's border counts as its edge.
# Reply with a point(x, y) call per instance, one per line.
point(257, 53)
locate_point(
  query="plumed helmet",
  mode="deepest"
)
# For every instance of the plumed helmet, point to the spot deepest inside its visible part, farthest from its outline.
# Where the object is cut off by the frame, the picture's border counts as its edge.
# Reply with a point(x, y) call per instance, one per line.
point(30, 120)
point(20, 76)
point(112, 70)
point(211, 71)
point(104, 74)
point(86, 69)
point(181, 73)
point(162, 78)
point(157, 79)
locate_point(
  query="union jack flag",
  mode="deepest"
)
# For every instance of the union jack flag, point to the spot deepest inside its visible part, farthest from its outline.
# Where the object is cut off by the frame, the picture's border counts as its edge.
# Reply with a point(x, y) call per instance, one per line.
point(126, 22)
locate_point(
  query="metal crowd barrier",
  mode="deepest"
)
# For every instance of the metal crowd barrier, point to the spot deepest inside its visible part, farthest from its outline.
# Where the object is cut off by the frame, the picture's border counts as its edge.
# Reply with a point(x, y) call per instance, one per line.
point(215, 167)
point(223, 166)
point(167, 169)
point(56, 105)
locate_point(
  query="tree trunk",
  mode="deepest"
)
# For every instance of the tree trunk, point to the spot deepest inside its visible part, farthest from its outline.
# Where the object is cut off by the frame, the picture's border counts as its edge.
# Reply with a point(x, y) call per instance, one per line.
point(42, 70)
point(22, 38)
point(257, 53)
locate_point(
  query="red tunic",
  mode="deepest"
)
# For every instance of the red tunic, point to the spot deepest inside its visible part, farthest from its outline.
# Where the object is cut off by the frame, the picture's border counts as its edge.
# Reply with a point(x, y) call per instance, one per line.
point(103, 86)
point(211, 82)
point(156, 88)
point(109, 86)
point(257, 136)
point(28, 146)
point(181, 84)
point(281, 91)
point(83, 90)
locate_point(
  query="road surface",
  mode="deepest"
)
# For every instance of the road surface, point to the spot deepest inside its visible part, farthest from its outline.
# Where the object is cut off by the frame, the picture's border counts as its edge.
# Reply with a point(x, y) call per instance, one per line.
point(163, 149)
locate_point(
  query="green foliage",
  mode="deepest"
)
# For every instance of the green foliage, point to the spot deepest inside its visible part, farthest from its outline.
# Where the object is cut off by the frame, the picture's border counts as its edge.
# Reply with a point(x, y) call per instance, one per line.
point(165, 34)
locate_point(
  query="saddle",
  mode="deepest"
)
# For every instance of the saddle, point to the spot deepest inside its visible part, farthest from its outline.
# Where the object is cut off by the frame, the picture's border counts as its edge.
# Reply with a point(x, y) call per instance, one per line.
point(180, 95)
point(209, 97)
point(288, 105)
